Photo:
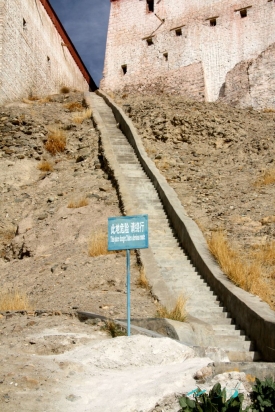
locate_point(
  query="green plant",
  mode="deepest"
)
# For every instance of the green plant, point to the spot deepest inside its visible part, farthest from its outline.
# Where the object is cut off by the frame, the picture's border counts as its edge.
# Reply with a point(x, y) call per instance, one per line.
point(263, 396)
point(114, 329)
point(215, 401)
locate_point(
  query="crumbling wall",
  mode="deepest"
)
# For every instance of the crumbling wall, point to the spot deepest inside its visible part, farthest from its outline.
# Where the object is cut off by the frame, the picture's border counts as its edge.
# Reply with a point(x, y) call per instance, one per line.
point(34, 59)
point(155, 47)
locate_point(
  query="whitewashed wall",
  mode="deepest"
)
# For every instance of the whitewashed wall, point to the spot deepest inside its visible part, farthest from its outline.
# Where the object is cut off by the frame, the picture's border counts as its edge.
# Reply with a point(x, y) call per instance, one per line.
point(217, 49)
point(24, 53)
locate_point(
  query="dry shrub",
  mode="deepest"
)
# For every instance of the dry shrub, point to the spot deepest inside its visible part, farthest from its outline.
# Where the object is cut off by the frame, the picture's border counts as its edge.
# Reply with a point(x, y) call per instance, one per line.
point(12, 300)
point(163, 164)
point(74, 106)
point(264, 254)
point(28, 101)
point(33, 98)
point(98, 244)
point(56, 141)
point(64, 90)
point(79, 117)
point(45, 166)
point(150, 150)
point(142, 280)
point(74, 204)
point(46, 99)
point(245, 273)
point(267, 178)
point(178, 313)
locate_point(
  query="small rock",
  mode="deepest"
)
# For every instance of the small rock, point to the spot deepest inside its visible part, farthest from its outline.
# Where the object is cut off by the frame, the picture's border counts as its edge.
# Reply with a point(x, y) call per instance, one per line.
point(73, 398)
point(42, 216)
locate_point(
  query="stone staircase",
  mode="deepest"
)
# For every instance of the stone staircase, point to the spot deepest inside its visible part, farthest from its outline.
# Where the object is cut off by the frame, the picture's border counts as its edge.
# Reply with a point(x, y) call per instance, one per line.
point(180, 276)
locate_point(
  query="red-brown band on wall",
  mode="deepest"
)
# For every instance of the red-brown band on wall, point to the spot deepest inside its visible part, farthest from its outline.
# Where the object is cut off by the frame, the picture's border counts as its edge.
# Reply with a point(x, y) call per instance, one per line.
point(66, 39)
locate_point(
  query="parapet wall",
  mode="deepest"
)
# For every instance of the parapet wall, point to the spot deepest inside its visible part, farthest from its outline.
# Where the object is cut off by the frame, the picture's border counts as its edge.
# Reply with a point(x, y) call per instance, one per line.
point(161, 50)
point(33, 56)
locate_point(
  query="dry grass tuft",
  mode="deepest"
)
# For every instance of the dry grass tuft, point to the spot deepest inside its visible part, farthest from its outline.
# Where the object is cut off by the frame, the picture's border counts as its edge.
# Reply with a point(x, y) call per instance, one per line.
point(64, 90)
point(142, 280)
point(267, 178)
point(269, 110)
point(79, 117)
point(56, 141)
point(245, 273)
point(74, 204)
point(46, 99)
point(74, 106)
point(45, 166)
point(264, 254)
point(98, 244)
point(178, 313)
point(163, 164)
point(28, 101)
point(14, 300)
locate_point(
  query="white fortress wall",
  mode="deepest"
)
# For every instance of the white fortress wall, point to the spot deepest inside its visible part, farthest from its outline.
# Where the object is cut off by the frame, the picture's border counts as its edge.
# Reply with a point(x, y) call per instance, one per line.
point(32, 56)
point(217, 48)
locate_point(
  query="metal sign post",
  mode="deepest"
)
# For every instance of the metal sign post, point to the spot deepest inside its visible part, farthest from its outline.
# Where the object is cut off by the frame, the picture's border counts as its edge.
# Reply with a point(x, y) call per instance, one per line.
point(128, 293)
point(126, 233)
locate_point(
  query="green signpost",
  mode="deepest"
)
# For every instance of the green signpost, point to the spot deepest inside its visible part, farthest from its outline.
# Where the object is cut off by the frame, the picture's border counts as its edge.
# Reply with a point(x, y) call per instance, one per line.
point(126, 233)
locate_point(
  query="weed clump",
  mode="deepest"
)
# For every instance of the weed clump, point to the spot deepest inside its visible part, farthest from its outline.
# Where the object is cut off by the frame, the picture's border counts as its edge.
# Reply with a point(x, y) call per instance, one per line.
point(45, 166)
point(114, 329)
point(177, 313)
point(56, 141)
point(64, 90)
point(11, 300)
point(74, 204)
point(74, 106)
point(98, 244)
point(245, 273)
point(267, 178)
point(142, 280)
point(79, 117)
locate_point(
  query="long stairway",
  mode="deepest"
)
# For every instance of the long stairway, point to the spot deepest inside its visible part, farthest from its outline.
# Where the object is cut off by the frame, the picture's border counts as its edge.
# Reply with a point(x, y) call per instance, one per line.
point(180, 276)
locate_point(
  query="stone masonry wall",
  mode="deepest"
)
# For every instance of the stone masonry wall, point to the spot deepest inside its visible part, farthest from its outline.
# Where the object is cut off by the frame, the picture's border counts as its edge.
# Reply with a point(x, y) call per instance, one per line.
point(252, 82)
point(33, 60)
point(215, 35)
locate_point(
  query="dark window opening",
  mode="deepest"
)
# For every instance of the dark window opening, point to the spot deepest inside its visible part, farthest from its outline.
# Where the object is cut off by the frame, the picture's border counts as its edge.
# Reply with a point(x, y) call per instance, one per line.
point(24, 24)
point(150, 5)
point(213, 22)
point(165, 55)
point(243, 13)
point(124, 68)
point(178, 32)
point(149, 41)
point(48, 59)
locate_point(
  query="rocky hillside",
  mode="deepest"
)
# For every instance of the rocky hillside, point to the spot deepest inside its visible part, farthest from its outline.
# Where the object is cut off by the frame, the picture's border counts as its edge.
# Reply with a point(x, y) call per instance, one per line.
point(47, 217)
point(218, 159)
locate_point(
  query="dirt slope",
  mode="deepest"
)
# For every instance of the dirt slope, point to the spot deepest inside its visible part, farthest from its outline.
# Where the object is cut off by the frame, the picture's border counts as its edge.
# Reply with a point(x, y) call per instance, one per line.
point(212, 155)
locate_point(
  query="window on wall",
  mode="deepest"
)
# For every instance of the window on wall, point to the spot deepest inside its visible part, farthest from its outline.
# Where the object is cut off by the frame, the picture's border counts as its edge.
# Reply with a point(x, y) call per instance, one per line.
point(124, 68)
point(150, 6)
point(165, 55)
point(213, 22)
point(243, 12)
point(24, 24)
point(178, 32)
point(149, 41)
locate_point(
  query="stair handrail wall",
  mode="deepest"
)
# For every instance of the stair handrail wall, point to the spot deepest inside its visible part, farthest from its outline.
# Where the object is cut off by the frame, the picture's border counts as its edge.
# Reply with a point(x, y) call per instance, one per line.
point(249, 312)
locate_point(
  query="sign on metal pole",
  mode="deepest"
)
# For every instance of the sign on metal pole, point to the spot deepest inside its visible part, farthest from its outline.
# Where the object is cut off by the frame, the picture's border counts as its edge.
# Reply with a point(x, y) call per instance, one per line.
point(126, 233)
